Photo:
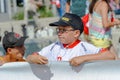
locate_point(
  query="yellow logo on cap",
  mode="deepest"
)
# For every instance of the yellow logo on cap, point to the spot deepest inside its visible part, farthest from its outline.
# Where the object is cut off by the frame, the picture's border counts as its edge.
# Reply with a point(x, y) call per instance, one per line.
point(65, 19)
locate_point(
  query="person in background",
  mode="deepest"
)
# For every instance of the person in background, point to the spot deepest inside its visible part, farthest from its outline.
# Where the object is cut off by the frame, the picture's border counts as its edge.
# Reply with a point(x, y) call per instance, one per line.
point(101, 24)
point(63, 3)
point(32, 6)
point(87, 6)
point(69, 47)
point(57, 5)
point(114, 4)
point(60, 6)
point(13, 45)
point(77, 7)
point(31, 10)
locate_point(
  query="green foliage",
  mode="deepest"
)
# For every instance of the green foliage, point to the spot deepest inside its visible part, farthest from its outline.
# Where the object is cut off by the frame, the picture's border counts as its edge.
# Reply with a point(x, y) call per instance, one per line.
point(42, 11)
point(19, 16)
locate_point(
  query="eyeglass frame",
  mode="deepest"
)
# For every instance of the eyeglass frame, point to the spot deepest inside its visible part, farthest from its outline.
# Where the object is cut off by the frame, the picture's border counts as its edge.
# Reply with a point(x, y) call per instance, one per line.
point(63, 30)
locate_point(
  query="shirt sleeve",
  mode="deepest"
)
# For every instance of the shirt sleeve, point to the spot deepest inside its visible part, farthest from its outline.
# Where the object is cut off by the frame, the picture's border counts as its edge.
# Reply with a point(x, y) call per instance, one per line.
point(90, 49)
point(47, 51)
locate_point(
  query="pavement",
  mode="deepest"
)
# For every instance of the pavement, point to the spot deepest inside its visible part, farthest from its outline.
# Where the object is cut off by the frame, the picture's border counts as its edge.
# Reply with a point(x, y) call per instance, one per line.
point(4, 17)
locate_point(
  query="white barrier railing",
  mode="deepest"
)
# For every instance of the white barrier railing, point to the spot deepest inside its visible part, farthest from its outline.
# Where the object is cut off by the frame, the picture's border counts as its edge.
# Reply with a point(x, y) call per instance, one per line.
point(99, 70)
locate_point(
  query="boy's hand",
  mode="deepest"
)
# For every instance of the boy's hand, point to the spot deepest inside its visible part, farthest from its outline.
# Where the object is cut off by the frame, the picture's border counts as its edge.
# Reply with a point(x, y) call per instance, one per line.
point(34, 58)
point(42, 60)
point(76, 61)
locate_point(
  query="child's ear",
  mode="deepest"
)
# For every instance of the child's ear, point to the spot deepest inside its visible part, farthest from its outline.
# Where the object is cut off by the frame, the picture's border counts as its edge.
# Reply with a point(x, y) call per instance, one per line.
point(77, 33)
point(8, 50)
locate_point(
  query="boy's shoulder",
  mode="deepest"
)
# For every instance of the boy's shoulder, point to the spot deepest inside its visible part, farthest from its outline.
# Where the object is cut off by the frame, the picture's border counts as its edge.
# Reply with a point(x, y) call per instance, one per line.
point(1, 58)
point(88, 45)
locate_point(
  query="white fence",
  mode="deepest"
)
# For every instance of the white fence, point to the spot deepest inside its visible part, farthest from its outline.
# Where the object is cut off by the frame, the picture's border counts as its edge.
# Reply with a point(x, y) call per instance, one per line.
point(99, 70)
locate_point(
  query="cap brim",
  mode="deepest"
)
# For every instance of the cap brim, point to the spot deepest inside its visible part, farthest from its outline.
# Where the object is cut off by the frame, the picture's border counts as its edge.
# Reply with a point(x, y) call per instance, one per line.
point(59, 23)
point(21, 41)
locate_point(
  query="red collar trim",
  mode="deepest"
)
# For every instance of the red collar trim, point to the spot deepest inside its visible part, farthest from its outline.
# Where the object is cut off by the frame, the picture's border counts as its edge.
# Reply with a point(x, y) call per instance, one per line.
point(71, 45)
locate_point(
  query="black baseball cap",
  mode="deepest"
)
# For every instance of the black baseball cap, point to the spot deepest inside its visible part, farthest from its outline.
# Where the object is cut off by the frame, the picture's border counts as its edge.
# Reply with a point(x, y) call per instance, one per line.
point(12, 39)
point(69, 19)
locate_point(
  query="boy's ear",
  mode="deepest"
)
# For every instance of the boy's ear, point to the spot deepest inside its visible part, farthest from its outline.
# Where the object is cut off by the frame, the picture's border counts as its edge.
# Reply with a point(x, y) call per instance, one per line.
point(9, 50)
point(77, 33)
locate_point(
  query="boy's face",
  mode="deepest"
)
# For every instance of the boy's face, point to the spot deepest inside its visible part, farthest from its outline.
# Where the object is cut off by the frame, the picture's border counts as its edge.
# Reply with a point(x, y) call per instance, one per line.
point(17, 52)
point(67, 35)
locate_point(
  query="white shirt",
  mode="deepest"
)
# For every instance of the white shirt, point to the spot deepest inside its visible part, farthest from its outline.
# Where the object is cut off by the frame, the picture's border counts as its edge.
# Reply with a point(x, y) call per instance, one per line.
point(55, 50)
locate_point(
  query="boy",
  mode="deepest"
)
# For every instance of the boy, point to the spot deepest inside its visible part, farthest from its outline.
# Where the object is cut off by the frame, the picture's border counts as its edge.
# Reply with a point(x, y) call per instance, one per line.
point(69, 47)
point(13, 45)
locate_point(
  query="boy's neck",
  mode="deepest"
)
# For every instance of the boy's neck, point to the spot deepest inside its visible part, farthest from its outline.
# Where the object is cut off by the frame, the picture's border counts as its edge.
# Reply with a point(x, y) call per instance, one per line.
point(72, 44)
point(11, 58)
